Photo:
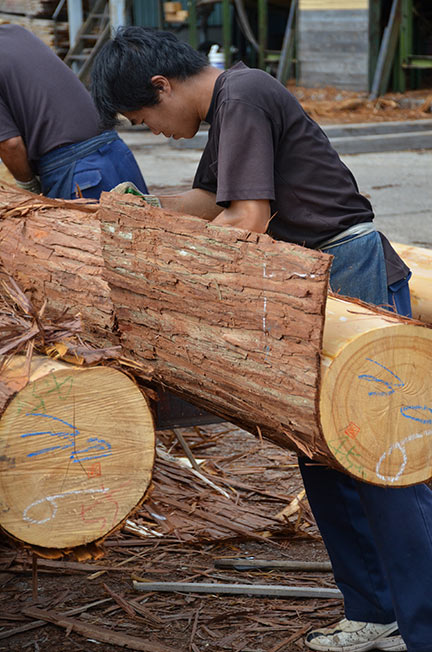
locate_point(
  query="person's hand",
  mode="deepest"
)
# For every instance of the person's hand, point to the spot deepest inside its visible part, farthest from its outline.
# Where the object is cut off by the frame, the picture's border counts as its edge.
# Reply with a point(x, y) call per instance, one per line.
point(32, 186)
point(129, 188)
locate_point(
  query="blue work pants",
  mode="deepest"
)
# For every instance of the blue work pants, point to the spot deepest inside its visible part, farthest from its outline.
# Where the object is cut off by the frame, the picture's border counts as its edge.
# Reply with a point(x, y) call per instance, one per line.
point(89, 167)
point(379, 539)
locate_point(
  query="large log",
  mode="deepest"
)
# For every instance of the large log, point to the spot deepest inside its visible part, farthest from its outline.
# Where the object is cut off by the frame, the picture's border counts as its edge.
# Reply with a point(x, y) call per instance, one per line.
point(76, 451)
point(233, 322)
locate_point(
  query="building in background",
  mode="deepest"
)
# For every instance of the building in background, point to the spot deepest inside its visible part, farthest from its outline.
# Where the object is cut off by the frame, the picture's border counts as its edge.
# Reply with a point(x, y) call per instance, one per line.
point(350, 44)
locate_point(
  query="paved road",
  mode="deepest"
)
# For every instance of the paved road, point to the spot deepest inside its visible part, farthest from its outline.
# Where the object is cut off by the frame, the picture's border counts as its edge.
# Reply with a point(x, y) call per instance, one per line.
point(399, 184)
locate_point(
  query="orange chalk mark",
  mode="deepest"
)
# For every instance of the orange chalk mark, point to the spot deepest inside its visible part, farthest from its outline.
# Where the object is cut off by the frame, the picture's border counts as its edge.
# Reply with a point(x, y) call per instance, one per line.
point(352, 430)
point(95, 470)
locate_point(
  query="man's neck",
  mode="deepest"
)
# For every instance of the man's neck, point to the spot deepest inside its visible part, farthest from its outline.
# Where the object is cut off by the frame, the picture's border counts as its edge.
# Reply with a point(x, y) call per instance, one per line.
point(201, 86)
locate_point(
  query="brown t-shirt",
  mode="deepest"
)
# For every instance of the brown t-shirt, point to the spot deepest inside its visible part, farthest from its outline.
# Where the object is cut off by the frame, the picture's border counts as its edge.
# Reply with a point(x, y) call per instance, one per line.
point(41, 99)
point(262, 145)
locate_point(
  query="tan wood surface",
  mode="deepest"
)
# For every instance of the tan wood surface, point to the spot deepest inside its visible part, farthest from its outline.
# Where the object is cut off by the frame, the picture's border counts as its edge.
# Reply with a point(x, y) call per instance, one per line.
point(376, 398)
point(77, 451)
point(419, 260)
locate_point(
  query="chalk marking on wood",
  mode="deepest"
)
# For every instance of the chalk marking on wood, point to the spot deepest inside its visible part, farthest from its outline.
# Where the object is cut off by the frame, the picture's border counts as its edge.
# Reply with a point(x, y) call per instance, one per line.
point(400, 446)
point(52, 500)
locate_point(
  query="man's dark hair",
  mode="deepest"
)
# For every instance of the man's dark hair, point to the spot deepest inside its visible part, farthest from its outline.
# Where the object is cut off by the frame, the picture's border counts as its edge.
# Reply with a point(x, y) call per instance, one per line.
point(122, 71)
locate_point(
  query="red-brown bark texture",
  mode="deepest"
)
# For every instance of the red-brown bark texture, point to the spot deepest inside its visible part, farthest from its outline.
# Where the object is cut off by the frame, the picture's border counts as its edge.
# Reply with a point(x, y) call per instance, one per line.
point(228, 319)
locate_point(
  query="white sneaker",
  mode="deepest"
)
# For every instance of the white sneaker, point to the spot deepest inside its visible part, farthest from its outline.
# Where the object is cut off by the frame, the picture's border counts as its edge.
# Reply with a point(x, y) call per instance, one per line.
point(356, 636)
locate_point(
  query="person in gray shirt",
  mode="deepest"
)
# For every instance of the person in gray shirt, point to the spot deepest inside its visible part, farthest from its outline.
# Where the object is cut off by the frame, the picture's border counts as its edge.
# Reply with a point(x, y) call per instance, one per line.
point(268, 167)
point(51, 139)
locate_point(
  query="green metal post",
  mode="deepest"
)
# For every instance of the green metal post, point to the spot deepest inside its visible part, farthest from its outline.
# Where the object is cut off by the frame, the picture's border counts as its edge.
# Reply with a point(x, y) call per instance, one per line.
point(262, 32)
point(226, 29)
point(161, 15)
point(374, 36)
point(405, 43)
point(193, 28)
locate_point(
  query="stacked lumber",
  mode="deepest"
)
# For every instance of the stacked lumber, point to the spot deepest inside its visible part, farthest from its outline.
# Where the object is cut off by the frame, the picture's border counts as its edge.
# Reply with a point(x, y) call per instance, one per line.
point(36, 16)
point(52, 33)
point(174, 12)
point(234, 322)
point(35, 8)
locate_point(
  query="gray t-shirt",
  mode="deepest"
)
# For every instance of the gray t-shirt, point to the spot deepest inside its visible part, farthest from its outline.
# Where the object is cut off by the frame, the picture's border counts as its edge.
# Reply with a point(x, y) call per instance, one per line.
point(41, 99)
point(262, 145)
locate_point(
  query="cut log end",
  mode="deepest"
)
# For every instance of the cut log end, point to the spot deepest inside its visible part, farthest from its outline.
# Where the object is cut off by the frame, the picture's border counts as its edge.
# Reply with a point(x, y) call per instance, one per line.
point(76, 455)
point(376, 406)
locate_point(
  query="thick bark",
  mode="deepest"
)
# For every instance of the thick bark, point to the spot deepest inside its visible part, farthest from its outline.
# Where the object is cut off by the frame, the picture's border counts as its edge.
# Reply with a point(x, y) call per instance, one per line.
point(52, 248)
point(76, 451)
point(229, 319)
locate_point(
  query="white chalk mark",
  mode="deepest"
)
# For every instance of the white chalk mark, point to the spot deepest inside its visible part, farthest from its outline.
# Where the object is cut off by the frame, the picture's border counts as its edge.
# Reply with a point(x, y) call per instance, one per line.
point(400, 445)
point(52, 501)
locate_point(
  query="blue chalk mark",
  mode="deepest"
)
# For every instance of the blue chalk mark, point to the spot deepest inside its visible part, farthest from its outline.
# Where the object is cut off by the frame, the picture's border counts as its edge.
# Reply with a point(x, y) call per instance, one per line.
point(100, 444)
point(416, 407)
point(390, 385)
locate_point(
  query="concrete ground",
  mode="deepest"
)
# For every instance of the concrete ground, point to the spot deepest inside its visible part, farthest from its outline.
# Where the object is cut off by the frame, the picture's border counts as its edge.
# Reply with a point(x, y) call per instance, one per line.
point(398, 184)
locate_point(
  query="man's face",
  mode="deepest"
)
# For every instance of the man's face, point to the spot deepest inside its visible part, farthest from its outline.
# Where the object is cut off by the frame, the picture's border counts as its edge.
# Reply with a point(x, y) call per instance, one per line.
point(174, 116)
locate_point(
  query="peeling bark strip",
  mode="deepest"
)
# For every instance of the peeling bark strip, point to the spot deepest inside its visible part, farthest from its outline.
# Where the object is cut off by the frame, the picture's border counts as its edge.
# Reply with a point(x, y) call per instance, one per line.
point(53, 248)
point(231, 320)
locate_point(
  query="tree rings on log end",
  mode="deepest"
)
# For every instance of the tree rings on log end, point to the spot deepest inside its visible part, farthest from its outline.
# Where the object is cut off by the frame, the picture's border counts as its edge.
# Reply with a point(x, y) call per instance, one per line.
point(76, 455)
point(376, 405)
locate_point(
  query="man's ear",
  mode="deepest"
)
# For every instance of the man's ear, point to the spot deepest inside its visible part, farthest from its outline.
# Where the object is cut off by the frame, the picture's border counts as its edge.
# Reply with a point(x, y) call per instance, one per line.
point(161, 83)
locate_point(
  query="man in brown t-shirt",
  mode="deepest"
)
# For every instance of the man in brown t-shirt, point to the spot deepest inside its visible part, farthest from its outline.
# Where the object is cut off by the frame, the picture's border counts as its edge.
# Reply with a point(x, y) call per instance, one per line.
point(268, 167)
point(50, 137)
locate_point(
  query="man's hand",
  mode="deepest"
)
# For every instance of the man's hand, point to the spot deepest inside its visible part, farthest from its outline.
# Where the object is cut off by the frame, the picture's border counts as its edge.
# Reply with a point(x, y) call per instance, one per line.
point(31, 186)
point(251, 214)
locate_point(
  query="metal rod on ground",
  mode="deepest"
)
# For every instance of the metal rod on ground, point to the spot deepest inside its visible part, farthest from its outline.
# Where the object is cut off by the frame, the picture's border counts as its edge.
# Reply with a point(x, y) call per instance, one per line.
point(251, 564)
point(269, 590)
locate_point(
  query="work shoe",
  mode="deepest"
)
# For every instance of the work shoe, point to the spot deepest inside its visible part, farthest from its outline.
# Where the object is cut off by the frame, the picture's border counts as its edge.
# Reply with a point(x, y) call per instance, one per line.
point(356, 636)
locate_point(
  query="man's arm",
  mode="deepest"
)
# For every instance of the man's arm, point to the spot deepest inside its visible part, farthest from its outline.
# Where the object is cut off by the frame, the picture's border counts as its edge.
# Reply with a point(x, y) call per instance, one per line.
point(198, 202)
point(13, 153)
point(252, 215)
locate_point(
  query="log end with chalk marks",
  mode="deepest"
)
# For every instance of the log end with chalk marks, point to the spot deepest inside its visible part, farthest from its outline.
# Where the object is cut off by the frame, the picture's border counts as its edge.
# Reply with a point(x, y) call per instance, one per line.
point(376, 396)
point(76, 452)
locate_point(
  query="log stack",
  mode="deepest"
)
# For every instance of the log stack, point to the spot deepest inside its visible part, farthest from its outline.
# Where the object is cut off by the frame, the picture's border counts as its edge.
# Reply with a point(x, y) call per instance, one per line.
point(233, 321)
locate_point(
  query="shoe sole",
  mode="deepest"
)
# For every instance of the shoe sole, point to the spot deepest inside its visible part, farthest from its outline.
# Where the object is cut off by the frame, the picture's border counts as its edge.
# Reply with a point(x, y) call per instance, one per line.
point(392, 644)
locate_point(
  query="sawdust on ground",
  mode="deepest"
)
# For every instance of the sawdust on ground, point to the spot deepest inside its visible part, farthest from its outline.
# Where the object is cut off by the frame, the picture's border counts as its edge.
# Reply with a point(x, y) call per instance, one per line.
point(331, 105)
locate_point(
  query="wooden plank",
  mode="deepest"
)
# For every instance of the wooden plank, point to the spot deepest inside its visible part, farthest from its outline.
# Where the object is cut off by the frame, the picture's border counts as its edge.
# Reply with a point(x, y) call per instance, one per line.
point(332, 5)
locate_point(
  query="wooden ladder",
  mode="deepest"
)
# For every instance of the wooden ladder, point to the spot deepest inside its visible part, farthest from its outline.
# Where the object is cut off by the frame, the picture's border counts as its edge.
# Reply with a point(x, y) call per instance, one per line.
point(92, 34)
